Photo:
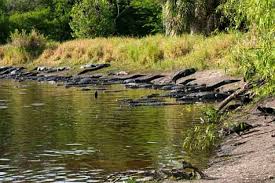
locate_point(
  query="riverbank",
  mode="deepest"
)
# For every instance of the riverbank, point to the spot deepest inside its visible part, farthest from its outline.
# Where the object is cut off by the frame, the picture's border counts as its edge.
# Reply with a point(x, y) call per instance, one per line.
point(190, 69)
point(248, 157)
point(186, 86)
point(251, 156)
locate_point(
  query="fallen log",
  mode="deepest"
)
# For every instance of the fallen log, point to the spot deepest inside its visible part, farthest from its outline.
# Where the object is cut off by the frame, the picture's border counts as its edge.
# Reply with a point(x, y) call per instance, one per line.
point(234, 95)
point(244, 89)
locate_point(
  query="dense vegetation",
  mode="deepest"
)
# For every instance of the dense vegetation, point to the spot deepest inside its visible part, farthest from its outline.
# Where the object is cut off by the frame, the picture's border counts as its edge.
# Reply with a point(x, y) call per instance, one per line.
point(27, 23)
point(66, 19)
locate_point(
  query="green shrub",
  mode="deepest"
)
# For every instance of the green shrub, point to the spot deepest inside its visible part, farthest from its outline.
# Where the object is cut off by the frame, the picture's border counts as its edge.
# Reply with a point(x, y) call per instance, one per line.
point(204, 136)
point(92, 19)
point(52, 22)
point(23, 47)
point(37, 19)
point(201, 137)
point(255, 53)
point(211, 115)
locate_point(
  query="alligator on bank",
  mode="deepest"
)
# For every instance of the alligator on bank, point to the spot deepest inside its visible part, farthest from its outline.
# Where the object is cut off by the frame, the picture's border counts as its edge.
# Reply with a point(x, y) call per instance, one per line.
point(186, 85)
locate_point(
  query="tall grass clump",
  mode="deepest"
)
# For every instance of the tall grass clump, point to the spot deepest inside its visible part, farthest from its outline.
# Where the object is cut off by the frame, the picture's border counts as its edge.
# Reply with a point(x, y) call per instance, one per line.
point(23, 47)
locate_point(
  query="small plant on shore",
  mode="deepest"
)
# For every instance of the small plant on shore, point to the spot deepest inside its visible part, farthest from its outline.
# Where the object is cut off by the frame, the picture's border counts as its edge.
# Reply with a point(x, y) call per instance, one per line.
point(201, 137)
point(204, 136)
point(211, 115)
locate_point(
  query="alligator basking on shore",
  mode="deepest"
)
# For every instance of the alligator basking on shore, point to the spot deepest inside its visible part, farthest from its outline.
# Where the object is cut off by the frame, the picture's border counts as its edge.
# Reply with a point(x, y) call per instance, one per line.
point(186, 85)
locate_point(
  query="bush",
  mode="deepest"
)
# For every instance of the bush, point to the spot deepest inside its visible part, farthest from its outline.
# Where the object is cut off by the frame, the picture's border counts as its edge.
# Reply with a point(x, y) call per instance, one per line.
point(23, 47)
point(92, 19)
point(34, 42)
point(255, 52)
point(201, 137)
point(11, 55)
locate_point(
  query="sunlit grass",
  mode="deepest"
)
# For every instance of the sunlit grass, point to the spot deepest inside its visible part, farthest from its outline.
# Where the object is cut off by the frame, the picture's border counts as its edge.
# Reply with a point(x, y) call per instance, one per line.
point(151, 53)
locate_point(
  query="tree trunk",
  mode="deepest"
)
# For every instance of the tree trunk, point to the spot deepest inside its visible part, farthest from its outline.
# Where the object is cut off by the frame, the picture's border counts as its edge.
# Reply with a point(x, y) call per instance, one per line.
point(174, 17)
point(195, 16)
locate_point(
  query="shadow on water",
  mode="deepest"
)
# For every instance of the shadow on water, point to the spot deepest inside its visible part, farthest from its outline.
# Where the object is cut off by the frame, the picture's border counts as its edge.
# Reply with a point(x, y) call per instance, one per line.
point(50, 133)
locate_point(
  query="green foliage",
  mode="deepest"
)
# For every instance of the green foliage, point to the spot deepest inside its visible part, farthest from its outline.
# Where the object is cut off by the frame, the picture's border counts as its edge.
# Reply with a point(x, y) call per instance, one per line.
point(195, 16)
point(131, 181)
point(139, 18)
point(92, 19)
point(37, 19)
point(60, 18)
point(255, 53)
point(204, 136)
point(50, 17)
point(201, 137)
point(26, 5)
point(211, 115)
point(23, 47)
point(104, 18)
point(150, 13)
point(3, 23)
point(51, 21)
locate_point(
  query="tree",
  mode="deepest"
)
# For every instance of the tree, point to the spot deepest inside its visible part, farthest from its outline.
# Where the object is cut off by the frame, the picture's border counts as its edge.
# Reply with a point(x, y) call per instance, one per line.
point(138, 17)
point(3, 23)
point(26, 5)
point(38, 19)
point(61, 15)
point(191, 16)
point(92, 18)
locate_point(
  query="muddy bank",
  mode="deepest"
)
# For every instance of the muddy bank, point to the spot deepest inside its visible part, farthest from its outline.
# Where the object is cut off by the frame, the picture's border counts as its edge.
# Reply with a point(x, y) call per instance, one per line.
point(250, 156)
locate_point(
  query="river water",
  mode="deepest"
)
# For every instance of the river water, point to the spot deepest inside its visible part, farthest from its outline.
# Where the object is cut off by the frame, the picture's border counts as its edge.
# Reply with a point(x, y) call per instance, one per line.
point(49, 133)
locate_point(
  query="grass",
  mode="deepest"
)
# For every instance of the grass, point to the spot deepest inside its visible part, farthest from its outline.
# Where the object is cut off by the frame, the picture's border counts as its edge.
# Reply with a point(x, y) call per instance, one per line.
point(151, 53)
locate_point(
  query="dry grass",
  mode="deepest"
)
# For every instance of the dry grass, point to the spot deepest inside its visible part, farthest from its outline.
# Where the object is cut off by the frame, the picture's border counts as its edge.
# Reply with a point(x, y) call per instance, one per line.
point(150, 53)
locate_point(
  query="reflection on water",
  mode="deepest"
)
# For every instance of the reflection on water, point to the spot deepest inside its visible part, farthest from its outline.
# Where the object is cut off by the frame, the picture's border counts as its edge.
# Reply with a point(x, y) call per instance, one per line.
point(50, 133)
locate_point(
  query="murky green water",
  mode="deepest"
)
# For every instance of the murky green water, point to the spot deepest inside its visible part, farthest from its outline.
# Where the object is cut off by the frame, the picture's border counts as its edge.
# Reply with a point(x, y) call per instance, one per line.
point(50, 133)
